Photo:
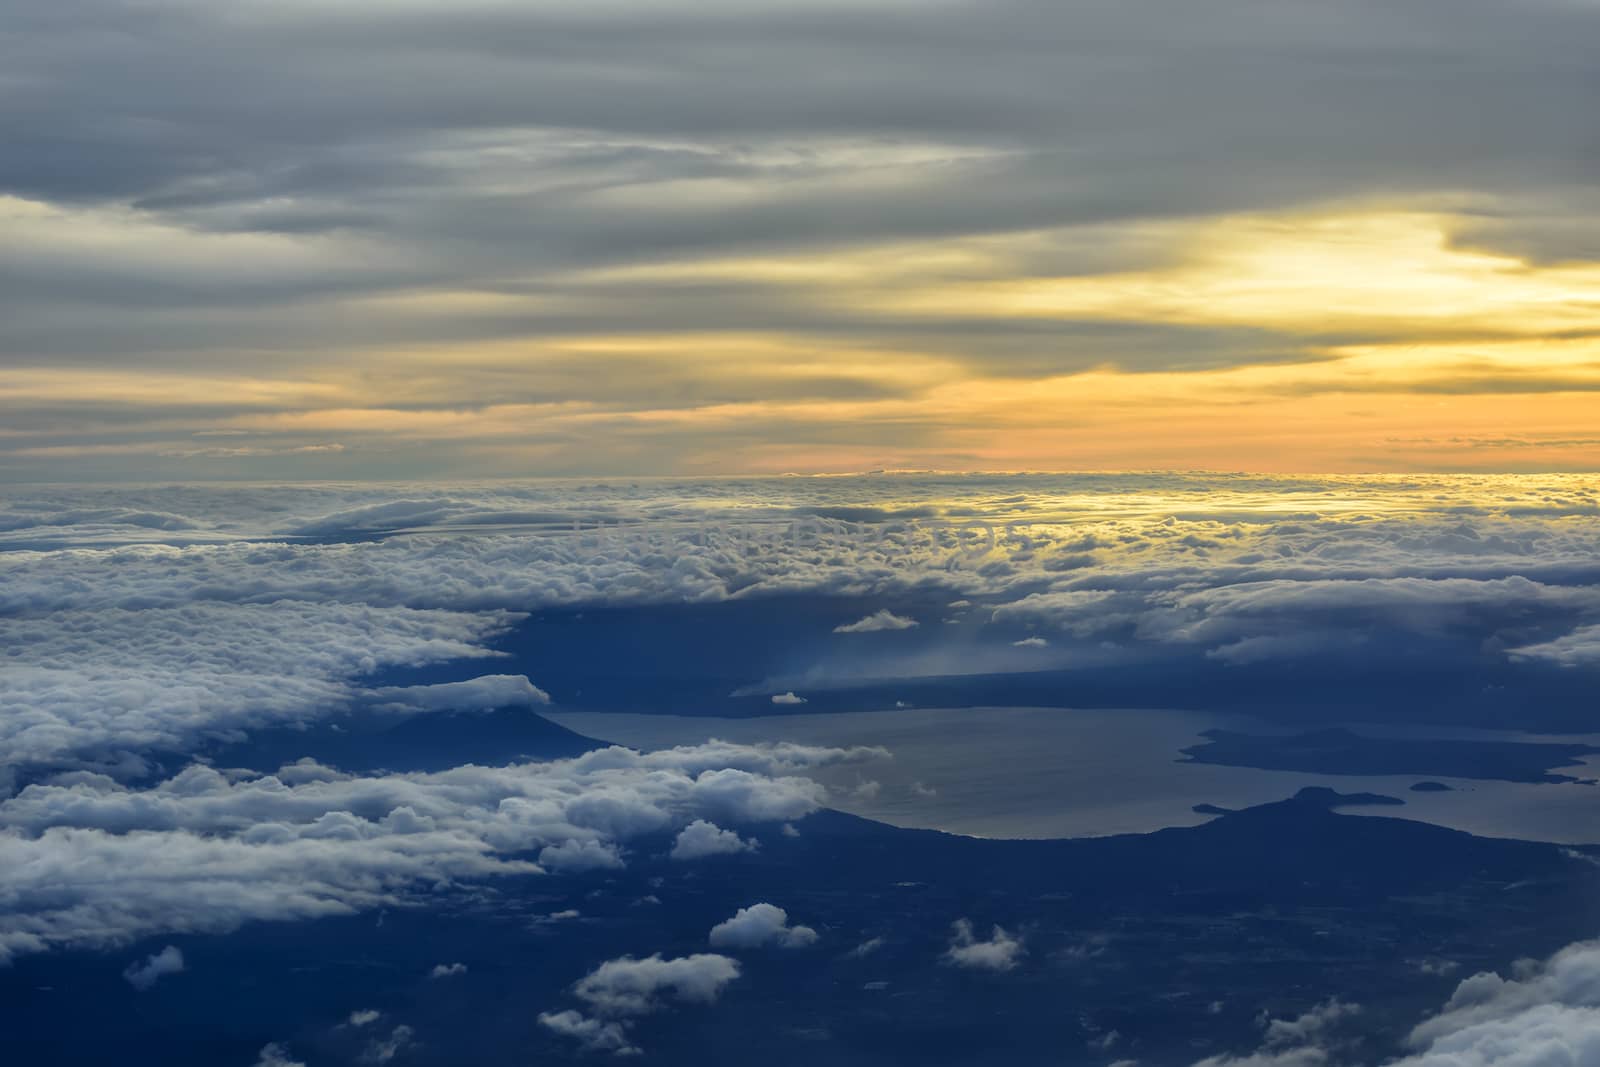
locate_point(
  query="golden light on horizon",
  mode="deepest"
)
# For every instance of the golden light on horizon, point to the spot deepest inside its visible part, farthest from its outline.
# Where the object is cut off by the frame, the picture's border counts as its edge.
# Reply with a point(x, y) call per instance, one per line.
point(1390, 339)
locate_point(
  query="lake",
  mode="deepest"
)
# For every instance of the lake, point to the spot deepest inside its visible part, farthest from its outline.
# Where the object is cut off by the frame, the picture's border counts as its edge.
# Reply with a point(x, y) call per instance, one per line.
point(1058, 772)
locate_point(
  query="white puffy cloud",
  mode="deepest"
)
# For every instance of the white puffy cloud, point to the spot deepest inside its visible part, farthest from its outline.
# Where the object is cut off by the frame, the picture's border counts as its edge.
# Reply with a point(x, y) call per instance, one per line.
point(787, 698)
point(485, 693)
point(1307, 1040)
point(1548, 1015)
point(620, 990)
point(1548, 1035)
point(758, 926)
point(877, 622)
point(364, 1017)
point(447, 970)
point(701, 839)
point(1310, 1026)
point(594, 1035)
point(275, 1055)
point(629, 986)
point(999, 953)
point(155, 967)
point(85, 860)
point(384, 1049)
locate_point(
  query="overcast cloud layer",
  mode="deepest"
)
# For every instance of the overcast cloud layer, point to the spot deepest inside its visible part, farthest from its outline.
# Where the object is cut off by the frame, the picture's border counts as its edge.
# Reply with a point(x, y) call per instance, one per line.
point(407, 239)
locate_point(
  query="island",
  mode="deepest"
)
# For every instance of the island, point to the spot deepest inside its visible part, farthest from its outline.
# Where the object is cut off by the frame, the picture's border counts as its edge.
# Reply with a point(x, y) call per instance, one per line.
point(1342, 751)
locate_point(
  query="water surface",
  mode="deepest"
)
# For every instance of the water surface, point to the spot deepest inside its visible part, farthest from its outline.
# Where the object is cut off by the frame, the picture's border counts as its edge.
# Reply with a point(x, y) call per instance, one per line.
point(1054, 772)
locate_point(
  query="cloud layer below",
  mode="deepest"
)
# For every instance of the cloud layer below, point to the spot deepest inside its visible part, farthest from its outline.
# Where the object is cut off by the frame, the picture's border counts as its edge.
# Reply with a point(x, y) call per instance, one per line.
point(92, 863)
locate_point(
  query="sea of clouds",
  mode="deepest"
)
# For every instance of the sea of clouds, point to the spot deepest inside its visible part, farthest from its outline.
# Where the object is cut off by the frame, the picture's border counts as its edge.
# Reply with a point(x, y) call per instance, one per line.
point(138, 624)
point(135, 620)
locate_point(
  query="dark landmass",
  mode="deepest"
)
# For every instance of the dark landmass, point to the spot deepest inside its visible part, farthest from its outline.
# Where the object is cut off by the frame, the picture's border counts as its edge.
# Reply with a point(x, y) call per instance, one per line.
point(1318, 796)
point(1340, 751)
point(1270, 909)
point(1431, 787)
point(1313, 796)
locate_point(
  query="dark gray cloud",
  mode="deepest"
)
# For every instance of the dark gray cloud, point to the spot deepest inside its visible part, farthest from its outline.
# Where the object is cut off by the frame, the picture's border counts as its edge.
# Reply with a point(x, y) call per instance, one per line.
point(472, 145)
point(307, 100)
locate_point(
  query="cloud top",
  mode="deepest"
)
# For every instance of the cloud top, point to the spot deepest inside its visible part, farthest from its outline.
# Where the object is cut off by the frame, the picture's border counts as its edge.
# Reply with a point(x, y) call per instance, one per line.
point(1000, 952)
point(155, 967)
point(760, 925)
point(878, 622)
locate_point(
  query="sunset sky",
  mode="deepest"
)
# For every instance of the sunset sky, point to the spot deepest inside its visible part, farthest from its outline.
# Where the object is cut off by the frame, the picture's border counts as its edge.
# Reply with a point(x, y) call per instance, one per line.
point(310, 240)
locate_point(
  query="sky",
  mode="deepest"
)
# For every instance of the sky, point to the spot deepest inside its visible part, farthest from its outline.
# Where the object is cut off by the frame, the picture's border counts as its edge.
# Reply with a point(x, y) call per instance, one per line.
point(406, 240)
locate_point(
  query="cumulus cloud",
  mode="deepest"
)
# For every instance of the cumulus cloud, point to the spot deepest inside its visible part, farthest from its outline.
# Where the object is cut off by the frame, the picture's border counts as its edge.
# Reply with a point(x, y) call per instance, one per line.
point(1547, 1014)
point(484, 693)
point(620, 990)
point(701, 839)
point(630, 986)
point(363, 1017)
point(384, 1049)
point(156, 967)
point(447, 970)
point(276, 1055)
point(88, 861)
point(787, 698)
point(1000, 952)
point(594, 1035)
point(878, 621)
point(1310, 1026)
point(758, 926)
